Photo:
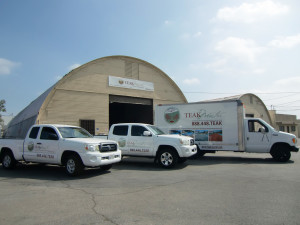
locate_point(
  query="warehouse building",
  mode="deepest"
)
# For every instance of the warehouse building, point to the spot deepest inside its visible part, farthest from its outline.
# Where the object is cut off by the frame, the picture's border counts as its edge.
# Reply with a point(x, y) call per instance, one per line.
point(254, 107)
point(99, 93)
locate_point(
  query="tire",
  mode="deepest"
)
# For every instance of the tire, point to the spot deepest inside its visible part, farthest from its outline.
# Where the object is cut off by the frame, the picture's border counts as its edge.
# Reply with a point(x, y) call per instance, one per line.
point(8, 160)
point(281, 153)
point(106, 167)
point(73, 165)
point(167, 158)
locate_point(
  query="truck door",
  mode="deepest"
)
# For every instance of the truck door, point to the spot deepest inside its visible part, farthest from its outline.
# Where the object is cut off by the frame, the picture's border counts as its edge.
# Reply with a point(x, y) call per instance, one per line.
point(30, 144)
point(139, 144)
point(44, 149)
point(258, 137)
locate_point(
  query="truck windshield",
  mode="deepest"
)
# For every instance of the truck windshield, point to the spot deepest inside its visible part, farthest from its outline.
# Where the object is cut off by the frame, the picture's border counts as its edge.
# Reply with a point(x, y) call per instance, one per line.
point(74, 132)
point(155, 130)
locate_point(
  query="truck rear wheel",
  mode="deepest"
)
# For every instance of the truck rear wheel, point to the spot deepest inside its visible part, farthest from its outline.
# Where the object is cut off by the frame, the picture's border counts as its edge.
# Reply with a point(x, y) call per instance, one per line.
point(73, 165)
point(167, 158)
point(281, 153)
point(8, 160)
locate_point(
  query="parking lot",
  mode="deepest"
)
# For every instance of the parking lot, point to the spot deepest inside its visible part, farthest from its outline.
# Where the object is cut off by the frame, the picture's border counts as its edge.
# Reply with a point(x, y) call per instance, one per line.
point(222, 188)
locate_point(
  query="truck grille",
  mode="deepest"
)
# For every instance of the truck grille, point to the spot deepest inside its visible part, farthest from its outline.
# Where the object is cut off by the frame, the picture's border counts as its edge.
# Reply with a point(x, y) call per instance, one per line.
point(192, 142)
point(108, 147)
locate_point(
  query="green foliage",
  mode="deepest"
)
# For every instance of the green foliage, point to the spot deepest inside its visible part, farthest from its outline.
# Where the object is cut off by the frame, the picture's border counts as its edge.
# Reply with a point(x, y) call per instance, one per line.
point(2, 108)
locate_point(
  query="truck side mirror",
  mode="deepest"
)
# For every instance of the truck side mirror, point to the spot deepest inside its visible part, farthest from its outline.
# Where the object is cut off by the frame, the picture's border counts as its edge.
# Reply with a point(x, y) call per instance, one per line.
point(53, 137)
point(147, 133)
point(262, 130)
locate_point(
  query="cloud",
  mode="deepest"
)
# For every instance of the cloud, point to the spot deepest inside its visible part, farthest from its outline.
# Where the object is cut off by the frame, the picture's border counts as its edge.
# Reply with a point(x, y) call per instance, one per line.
point(251, 12)
point(192, 81)
point(288, 83)
point(6, 66)
point(74, 66)
point(285, 42)
point(240, 49)
point(188, 36)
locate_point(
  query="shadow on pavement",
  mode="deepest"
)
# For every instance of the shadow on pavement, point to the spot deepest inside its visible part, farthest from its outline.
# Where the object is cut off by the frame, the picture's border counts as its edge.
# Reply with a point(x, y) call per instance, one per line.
point(47, 172)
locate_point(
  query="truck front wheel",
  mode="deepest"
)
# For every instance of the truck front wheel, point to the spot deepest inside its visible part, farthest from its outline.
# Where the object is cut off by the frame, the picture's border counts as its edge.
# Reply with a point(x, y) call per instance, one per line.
point(8, 160)
point(73, 165)
point(281, 153)
point(167, 158)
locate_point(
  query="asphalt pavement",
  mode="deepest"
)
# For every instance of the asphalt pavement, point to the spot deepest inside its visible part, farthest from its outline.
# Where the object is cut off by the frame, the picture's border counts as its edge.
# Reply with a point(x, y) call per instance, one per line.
point(222, 188)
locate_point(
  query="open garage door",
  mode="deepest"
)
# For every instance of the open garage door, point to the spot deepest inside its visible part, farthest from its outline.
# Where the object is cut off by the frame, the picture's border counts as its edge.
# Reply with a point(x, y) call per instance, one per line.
point(123, 109)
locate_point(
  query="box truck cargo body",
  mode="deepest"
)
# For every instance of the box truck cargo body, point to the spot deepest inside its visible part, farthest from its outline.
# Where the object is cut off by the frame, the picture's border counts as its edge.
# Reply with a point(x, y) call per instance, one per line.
point(222, 126)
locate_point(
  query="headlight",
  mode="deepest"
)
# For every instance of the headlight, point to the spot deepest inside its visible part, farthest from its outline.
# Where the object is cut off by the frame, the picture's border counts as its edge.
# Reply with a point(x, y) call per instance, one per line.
point(184, 141)
point(91, 147)
point(294, 140)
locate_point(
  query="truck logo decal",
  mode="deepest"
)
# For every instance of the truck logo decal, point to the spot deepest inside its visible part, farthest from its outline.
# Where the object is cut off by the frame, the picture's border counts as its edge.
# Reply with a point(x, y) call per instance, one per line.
point(122, 142)
point(172, 115)
point(30, 146)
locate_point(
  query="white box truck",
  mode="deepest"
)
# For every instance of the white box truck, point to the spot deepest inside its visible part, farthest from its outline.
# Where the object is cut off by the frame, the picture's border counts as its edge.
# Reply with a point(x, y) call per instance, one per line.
point(222, 126)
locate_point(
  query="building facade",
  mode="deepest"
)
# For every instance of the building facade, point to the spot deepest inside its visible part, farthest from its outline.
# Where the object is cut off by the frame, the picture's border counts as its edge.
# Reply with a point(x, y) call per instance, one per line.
point(99, 93)
point(285, 123)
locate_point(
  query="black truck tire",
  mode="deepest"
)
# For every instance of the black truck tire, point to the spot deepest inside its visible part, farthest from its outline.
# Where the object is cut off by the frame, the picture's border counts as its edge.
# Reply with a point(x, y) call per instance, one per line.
point(167, 158)
point(8, 160)
point(73, 165)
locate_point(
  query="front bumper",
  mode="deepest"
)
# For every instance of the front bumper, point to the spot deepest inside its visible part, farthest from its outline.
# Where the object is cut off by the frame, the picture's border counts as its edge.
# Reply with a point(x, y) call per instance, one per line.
point(188, 151)
point(94, 159)
point(294, 149)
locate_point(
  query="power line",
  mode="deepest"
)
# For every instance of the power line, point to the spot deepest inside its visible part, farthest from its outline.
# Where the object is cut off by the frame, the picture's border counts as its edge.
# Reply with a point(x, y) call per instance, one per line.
point(271, 93)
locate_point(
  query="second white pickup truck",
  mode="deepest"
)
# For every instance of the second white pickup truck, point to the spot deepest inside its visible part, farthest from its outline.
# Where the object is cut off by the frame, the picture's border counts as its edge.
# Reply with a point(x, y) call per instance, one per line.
point(70, 146)
point(136, 139)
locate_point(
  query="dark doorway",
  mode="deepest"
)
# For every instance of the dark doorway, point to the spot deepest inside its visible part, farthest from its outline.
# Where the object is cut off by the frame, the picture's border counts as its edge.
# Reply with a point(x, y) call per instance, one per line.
point(130, 110)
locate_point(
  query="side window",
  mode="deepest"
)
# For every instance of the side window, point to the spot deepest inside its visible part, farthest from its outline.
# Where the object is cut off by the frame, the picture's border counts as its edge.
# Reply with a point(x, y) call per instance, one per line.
point(137, 130)
point(34, 132)
point(256, 126)
point(48, 133)
point(121, 130)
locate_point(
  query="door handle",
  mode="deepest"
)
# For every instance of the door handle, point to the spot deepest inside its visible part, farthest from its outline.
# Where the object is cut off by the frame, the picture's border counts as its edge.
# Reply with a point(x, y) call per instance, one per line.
point(39, 143)
point(248, 138)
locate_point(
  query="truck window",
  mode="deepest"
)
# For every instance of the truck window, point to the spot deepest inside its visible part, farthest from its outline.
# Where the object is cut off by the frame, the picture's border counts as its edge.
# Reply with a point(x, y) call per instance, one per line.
point(256, 126)
point(48, 133)
point(137, 130)
point(34, 132)
point(121, 130)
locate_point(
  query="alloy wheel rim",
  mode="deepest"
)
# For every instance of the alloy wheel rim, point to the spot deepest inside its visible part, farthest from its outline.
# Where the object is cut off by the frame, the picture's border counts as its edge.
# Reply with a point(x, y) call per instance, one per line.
point(166, 159)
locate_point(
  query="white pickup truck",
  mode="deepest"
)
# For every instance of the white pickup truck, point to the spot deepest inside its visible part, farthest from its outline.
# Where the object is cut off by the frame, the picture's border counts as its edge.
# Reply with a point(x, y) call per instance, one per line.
point(136, 139)
point(70, 146)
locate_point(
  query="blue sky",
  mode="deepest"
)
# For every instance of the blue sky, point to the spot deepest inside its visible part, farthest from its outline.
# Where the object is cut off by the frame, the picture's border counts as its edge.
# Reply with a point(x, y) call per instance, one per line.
point(211, 49)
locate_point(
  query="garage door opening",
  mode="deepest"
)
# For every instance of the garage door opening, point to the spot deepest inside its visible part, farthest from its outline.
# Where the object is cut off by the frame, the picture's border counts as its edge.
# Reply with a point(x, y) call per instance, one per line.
point(124, 109)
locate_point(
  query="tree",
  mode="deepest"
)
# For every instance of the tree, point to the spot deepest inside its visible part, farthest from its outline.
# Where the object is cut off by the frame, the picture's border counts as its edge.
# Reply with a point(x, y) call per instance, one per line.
point(2, 108)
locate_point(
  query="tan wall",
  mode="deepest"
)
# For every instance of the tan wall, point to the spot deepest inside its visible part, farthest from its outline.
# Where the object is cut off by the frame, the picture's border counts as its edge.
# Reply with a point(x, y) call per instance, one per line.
point(84, 92)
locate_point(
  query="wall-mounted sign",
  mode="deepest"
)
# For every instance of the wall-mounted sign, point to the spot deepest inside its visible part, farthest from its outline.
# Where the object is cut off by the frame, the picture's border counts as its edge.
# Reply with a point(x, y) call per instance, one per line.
point(130, 83)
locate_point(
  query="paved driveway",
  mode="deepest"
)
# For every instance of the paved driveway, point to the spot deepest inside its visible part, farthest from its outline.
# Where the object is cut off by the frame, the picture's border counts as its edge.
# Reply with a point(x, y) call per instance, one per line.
point(222, 188)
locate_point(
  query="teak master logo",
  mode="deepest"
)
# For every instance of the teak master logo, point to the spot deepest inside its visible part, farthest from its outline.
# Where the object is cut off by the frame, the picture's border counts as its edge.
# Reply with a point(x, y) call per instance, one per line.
point(172, 115)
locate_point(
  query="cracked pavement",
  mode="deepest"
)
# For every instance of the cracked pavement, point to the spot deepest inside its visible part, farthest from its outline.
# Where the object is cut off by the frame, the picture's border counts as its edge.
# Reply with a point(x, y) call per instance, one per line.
point(222, 188)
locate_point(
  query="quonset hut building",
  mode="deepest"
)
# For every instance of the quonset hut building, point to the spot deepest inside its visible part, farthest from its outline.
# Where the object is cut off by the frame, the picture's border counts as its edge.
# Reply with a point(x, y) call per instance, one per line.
point(99, 93)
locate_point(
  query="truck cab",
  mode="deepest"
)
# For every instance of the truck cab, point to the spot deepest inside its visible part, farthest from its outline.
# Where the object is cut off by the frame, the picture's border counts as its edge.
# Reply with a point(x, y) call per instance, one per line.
point(260, 137)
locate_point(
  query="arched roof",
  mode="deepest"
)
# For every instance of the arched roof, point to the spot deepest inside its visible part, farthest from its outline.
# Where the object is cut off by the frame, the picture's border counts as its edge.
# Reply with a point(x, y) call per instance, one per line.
point(20, 124)
point(239, 97)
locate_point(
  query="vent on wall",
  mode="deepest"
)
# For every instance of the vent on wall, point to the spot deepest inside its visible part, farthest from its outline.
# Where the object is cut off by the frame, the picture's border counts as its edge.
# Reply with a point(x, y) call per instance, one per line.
point(132, 70)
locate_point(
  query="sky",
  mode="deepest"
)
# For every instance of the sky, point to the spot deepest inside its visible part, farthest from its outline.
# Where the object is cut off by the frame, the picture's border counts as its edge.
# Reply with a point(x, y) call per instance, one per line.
point(211, 49)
